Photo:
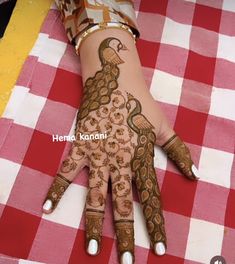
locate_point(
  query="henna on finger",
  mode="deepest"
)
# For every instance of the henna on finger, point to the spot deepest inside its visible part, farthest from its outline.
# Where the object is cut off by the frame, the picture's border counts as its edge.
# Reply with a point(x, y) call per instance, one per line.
point(145, 177)
point(125, 237)
point(93, 226)
point(56, 191)
point(122, 195)
point(179, 153)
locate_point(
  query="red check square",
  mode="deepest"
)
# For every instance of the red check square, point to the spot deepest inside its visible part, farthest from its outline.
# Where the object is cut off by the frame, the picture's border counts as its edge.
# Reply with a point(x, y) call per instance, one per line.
point(43, 154)
point(207, 17)
point(190, 125)
point(16, 237)
point(230, 211)
point(151, 26)
point(148, 59)
point(211, 207)
point(29, 191)
point(1, 209)
point(177, 229)
point(153, 259)
point(79, 250)
point(50, 118)
point(56, 238)
point(27, 71)
point(200, 68)
point(227, 19)
point(210, 140)
point(196, 96)
point(66, 88)
point(174, 66)
point(42, 79)
point(216, 4)
point(16, 143)
point(157, 7)
point(175, 199)
point(224, 74)
point(228, 249)
point(204, 42)
point(180, 11)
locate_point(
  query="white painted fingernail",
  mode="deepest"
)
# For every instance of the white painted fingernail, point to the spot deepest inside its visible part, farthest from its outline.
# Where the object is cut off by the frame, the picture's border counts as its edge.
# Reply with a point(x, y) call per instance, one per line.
point(159, 248)
point(126, 258)
point(47, 205)
point(92, 247)
point(195, 171)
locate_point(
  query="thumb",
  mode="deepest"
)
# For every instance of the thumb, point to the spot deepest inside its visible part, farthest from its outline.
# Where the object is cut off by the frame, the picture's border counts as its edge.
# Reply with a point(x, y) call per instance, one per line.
point(179, 153)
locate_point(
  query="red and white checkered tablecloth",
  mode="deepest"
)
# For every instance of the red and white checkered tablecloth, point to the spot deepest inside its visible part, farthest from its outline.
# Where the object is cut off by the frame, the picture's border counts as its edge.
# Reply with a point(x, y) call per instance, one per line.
point(187, 50)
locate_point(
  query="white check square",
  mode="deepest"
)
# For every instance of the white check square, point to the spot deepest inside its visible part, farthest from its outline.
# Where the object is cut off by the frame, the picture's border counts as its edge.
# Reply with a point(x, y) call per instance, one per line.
point(166, 87)
point(141, 236)
point(175, 33)
point(39, 44)
point(29, 110)
point(49, 51)
point(9, 171)
point(215, 166)
point(18, 95)
point(52, 52)
point(24, 261)
point(229, 5)
point(226, 47)
point(70, 208)
point(160, 158)
point(204, 241)
point(223, 103)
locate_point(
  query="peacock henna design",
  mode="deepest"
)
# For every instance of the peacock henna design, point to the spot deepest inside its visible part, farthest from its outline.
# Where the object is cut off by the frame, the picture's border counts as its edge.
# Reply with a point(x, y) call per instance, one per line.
point(127, 150)
point(145, 178)
point(98, 89)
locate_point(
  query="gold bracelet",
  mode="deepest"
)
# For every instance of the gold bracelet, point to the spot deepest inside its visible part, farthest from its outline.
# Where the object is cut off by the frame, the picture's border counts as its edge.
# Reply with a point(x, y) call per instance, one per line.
point(102, 26)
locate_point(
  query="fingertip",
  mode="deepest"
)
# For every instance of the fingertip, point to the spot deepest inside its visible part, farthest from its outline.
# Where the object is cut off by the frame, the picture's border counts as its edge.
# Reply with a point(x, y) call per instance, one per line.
point(47, 206)
point(92, 248)
point(126, 258)
point(159, 249)
point(195, 172)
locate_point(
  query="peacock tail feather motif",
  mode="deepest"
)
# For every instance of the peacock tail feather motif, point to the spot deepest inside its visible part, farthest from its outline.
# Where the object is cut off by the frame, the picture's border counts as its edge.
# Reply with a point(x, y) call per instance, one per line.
point(143, 167)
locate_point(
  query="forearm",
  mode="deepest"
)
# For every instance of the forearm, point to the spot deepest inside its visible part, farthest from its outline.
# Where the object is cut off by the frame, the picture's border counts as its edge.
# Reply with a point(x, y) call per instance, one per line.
point(131, 78)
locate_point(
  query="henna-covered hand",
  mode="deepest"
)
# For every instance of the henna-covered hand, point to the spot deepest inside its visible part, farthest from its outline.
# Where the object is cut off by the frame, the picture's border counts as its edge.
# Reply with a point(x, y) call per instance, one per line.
point(124, 155)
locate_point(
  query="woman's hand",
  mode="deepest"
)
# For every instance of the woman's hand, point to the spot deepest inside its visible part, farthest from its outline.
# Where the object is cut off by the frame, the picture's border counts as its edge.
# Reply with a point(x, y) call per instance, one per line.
point(117, 127)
